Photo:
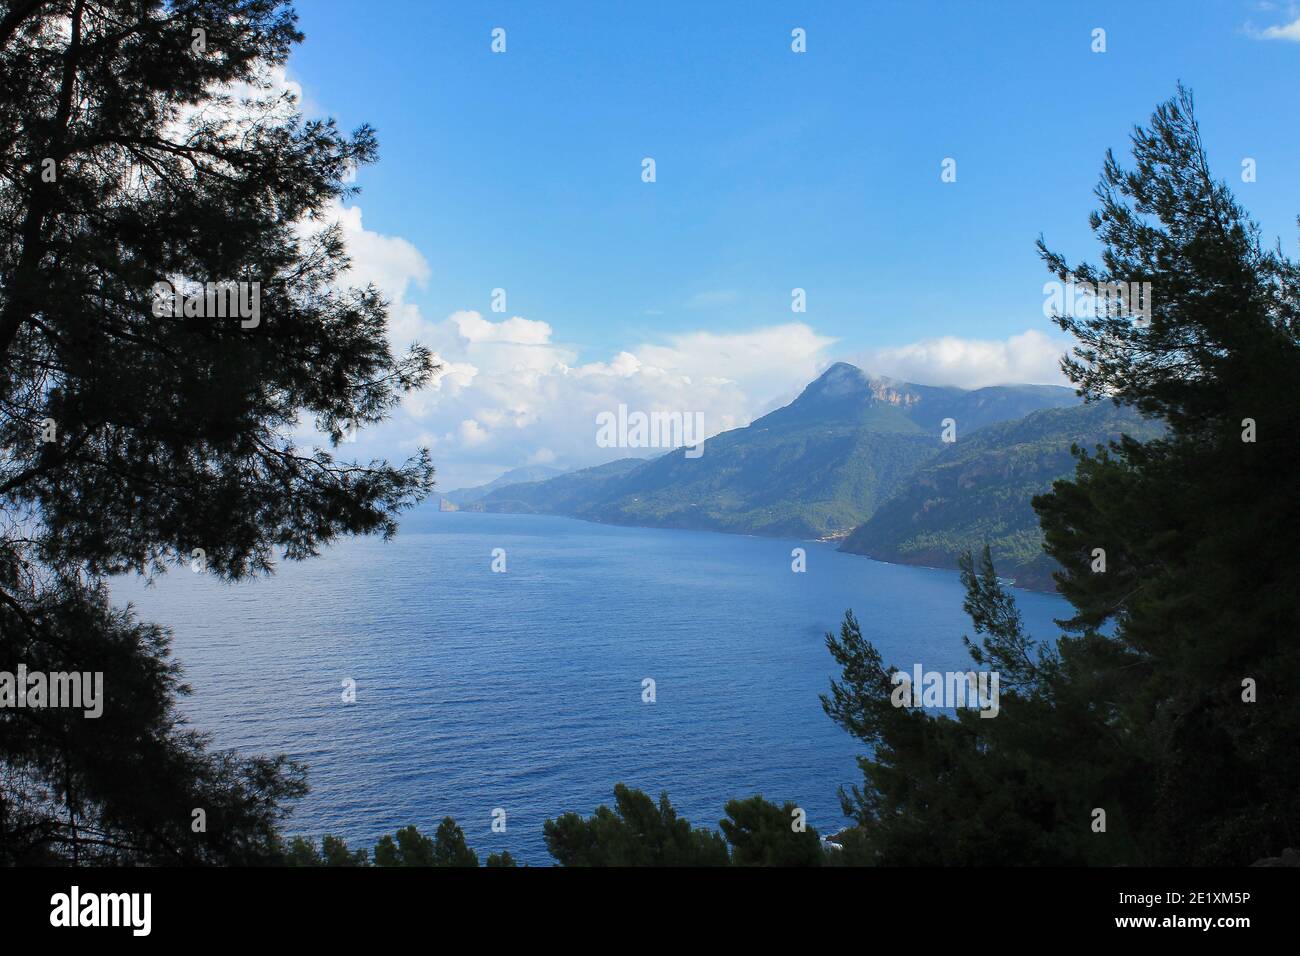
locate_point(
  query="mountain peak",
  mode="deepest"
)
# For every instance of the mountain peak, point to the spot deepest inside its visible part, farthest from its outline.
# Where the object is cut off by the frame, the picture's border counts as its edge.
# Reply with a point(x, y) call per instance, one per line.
point(843, 380)
point(838, 381)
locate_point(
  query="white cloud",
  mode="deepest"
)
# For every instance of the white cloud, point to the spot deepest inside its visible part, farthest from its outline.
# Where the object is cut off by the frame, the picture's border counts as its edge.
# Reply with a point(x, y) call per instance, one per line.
point(759, 361)
point(472, 433)
point(390, 262)
point(1030, 357)
point(519, 331)
point(508, 395)
point(511, 396)
point(1287, 31)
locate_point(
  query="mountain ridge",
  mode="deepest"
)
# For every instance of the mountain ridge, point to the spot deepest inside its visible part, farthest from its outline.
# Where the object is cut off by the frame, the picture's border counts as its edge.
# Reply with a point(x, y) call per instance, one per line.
point(980, 492)
point(515, 476)
point(817, 467)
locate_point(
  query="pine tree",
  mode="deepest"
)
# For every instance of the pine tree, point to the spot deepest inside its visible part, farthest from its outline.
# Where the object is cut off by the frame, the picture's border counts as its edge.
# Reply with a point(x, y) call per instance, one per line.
point(1166, 702)
point(1199, 592)
point(449, 847)
point(145, 149)
point(637, 832)
point(763, 834)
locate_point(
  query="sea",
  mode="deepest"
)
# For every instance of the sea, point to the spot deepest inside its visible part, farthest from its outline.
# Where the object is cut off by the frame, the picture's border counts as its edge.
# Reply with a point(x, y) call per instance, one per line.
point(498, 668)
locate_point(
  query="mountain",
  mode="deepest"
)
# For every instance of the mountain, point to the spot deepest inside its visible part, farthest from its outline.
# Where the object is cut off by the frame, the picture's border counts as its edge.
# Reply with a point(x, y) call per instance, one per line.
point(766, 479)
point(845, 394)
point(567, 494)
point(515, 476)
point(817, 467)
point(979, 490)
point(856, 452)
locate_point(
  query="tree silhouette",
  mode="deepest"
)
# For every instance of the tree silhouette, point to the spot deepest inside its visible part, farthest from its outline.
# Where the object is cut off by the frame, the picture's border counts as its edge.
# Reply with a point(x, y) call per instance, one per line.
point(145, 144)
point(1166, 705)
point(636, 832)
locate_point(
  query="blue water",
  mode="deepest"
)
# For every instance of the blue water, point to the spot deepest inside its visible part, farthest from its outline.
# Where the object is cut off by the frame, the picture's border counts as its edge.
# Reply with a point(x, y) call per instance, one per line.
point(522, 690)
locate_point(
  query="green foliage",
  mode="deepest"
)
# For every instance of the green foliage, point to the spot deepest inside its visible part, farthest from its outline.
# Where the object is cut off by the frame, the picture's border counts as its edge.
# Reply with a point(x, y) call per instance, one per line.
point(980, 490)
point(170, 433)
point(1199, 592)
point(763, 834)
point(1139, 708)
point(333, 852)
point(967, 790)
point(412, 848)
point(803, 481)
point(635, 833)
point(854, 849)
point(302, 852)
point(449, 847)
point(407, 847)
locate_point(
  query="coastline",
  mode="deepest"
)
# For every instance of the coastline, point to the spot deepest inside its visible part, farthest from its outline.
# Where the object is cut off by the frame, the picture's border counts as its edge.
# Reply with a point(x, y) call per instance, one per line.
point(1033, 586)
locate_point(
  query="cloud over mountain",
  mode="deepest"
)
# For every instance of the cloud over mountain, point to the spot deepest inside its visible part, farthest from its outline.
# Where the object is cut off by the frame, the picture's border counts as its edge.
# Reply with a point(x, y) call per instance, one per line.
point(510, 394)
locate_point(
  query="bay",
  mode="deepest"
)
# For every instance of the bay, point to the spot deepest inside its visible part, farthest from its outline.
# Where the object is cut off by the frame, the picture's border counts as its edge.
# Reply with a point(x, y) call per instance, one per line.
point(522, 691)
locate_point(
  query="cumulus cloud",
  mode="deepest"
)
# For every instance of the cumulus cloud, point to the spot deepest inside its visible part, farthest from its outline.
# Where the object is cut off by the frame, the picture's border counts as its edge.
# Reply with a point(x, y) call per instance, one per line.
point(1030, 357)
point(508, 394)
point(519, 331)
point(520, 398)
point(390, 262)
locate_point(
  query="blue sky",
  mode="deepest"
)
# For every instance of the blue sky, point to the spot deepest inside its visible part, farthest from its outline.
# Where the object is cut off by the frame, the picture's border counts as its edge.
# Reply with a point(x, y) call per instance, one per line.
point(775, 170)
